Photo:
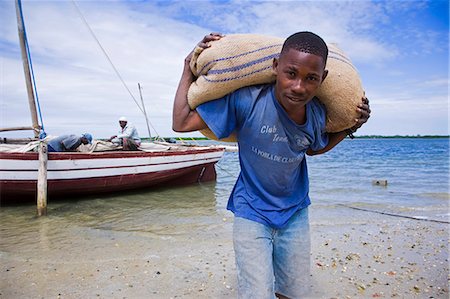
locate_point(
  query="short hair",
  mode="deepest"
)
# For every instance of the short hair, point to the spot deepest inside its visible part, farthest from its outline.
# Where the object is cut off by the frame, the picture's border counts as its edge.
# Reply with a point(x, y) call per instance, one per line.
point(307, 42)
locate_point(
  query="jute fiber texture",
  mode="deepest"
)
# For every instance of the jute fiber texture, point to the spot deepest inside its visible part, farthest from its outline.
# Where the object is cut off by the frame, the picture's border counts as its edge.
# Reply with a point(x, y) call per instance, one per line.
point(239, 60)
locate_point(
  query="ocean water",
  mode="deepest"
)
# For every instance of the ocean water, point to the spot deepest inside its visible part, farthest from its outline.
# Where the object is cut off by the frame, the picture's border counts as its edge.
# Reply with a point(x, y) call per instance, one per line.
point(416, 171)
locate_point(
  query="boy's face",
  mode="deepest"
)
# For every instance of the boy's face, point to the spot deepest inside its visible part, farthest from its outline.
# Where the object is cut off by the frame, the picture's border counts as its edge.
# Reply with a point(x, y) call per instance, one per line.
point(299, 75)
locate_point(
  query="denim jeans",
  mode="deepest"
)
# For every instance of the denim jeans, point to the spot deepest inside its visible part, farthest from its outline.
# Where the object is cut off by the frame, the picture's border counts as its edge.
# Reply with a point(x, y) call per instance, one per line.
point(270, 260)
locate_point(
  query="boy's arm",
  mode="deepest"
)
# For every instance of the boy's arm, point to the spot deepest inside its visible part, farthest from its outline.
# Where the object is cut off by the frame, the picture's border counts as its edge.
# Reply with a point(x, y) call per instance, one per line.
point(183, 118)
point(335, 138)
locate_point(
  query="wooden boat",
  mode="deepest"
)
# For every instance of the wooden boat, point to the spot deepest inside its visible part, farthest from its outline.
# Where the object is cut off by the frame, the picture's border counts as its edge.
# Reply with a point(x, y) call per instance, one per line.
point(76, 173)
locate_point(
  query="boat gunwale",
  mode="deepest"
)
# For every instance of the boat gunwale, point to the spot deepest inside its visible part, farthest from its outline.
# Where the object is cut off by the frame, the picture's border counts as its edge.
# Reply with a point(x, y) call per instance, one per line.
point(108, 154)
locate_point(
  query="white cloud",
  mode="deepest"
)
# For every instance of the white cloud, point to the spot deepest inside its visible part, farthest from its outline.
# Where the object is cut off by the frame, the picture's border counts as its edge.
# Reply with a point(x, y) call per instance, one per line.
point(440, 82)
point(148, 41)
point(77, 87)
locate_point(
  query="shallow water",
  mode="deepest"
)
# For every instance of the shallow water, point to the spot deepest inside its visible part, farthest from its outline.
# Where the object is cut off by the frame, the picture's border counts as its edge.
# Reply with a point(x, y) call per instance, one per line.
point(417, 171)
point(157, 213)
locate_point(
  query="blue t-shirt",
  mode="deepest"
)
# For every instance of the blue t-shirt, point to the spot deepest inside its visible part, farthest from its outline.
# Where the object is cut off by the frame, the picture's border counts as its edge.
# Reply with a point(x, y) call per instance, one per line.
point(64, 143)
point(273, 182)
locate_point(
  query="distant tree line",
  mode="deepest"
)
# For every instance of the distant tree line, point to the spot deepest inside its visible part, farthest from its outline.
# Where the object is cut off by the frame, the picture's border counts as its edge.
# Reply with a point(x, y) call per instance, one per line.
point(401, 136)
point(356, 136)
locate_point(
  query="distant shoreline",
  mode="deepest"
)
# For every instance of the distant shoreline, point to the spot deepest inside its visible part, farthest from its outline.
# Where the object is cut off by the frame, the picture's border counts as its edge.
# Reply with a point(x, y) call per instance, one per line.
point(356, 137)
point(174, 139)
point(402, 136)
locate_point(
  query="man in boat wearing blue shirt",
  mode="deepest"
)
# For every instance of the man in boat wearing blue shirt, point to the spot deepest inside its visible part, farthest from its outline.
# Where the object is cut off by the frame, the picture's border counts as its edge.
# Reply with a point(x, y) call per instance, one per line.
point(276, 125)
point(128, 136)
point(68, 143)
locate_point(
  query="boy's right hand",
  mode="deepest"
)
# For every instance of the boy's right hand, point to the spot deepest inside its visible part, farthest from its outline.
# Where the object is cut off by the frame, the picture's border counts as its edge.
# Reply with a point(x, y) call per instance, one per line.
point(204, 43)
point(208, 38)
point(183, 118)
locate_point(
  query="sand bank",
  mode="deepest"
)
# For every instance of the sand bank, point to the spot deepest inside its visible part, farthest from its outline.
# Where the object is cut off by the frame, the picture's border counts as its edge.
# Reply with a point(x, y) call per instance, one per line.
point(355, 254)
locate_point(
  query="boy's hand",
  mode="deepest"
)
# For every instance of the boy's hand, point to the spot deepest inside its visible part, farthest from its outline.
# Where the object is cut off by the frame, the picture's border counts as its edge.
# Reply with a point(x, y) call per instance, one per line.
point(204, 43)
point(183, 118)
point(364, 109)
point(210, 37)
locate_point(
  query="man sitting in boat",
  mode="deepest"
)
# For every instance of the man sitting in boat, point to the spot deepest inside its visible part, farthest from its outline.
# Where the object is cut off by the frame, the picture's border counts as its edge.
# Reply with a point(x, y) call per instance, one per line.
point(128, 136)
point(68, 143)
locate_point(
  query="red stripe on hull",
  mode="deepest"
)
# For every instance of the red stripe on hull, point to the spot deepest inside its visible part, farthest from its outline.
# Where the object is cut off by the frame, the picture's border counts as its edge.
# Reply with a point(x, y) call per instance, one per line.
point(20, 191)
point(108, 155)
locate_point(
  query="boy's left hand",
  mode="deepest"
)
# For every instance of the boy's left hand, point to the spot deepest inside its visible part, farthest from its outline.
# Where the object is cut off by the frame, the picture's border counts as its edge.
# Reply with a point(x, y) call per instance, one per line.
point(364, 109)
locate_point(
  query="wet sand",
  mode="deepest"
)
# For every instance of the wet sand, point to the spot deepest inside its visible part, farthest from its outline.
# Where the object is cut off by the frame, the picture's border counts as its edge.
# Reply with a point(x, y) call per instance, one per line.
point(355, 254)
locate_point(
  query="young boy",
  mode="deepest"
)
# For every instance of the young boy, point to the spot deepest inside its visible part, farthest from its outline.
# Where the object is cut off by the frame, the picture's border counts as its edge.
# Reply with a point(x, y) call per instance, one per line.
point(276, 125)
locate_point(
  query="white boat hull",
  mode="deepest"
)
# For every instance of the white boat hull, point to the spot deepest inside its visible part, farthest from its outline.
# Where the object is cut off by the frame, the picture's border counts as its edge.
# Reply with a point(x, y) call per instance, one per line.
point(100, 172)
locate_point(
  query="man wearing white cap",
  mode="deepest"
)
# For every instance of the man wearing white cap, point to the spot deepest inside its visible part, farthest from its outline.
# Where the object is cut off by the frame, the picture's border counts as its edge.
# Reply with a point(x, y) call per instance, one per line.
point(128, 136)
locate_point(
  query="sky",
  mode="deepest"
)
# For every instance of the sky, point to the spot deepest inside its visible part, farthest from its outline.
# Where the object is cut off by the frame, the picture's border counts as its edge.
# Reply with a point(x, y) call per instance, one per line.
point(400, 49)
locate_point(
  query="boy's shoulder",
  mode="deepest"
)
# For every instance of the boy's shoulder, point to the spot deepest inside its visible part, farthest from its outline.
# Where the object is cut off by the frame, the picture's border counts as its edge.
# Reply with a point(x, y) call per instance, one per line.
point(317, 104)
point(261, 87)
point(242, 98)
point(317, 111)
point(254, 91)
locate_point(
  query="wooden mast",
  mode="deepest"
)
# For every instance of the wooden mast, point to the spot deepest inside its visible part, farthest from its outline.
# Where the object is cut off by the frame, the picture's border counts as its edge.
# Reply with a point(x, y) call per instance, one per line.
point(43, 155)
point(26, 69)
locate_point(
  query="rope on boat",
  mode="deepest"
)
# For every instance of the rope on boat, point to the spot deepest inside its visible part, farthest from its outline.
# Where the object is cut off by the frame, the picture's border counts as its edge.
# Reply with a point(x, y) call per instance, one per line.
point(104, 52)
point(195, 141)
point(112, 64)
point(146, 117)
point(395, 215)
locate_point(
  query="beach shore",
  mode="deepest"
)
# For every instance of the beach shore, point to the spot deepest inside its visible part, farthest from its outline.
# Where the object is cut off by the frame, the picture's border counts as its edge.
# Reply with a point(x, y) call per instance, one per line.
point(355, 254)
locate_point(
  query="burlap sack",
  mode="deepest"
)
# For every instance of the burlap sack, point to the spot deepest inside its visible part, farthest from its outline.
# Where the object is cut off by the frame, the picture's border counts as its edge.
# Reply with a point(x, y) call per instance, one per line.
point(341, 92)
point(240, 60)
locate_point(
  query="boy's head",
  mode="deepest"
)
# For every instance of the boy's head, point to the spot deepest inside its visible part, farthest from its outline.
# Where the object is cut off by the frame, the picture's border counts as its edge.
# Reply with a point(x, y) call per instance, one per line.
point(300, 70)
point(306, 42)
